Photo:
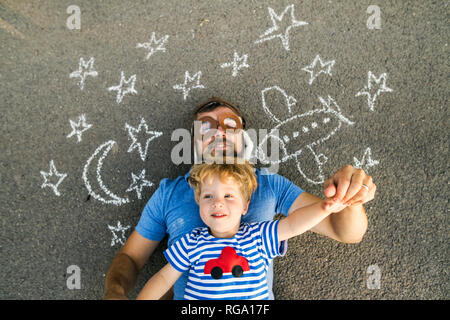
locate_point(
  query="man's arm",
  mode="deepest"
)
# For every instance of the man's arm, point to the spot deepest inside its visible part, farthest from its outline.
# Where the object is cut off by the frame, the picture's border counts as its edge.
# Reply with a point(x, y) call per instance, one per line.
point(160, 283)
point(349, 225)
point(129, 261)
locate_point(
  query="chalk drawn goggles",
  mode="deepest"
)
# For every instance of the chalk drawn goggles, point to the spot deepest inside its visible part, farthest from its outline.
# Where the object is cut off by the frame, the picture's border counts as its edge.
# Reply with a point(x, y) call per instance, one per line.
point(229, 122)
point(215, 103)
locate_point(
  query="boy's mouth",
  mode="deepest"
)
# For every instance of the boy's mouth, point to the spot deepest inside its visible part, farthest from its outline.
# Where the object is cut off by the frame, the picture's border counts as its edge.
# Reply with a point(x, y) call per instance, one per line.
point(218, 215)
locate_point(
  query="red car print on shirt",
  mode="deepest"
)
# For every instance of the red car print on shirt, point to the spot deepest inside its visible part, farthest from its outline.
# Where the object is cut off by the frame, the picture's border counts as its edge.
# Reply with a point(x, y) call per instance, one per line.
point(228, 261)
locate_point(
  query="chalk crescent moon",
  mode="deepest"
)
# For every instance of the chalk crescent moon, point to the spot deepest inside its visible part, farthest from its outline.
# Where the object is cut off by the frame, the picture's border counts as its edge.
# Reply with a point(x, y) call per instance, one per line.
point(110, 198)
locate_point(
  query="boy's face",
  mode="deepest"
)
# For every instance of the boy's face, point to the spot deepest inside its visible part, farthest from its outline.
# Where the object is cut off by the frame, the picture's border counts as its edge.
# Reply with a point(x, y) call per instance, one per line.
point(221, 206)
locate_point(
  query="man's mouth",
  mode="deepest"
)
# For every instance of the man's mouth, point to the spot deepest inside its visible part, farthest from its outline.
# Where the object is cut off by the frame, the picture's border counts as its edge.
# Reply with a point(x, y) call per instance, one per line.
point(221, 142)
point(221, 146)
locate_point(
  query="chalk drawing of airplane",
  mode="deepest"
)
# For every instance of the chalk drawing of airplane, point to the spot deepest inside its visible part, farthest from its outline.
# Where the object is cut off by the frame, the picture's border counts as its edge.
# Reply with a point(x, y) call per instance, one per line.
point(308, 133)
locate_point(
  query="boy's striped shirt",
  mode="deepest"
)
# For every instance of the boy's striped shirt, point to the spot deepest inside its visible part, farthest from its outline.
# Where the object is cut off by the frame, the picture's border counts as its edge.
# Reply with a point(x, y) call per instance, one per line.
point(256, 242)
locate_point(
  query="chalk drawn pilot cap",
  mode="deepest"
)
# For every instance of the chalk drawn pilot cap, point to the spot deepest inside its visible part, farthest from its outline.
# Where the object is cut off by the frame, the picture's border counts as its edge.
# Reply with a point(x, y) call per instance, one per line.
point(212, 104)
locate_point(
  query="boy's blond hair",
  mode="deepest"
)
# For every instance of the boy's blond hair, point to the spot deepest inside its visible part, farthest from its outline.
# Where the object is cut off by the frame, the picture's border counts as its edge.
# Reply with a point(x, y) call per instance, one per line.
point(242, 173)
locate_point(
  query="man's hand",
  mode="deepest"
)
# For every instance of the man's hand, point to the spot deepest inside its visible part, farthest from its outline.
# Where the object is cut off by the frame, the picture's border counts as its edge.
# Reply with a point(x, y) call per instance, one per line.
point(347, 185)
point(114, 296)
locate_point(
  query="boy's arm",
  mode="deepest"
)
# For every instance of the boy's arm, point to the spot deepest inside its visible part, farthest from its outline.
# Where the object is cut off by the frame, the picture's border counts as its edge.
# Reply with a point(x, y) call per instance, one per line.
point(305, 218)
point(160, 283)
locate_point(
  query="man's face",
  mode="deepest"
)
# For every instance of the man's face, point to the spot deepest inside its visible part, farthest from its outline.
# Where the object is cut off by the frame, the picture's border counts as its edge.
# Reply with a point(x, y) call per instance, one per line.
point(218, 141)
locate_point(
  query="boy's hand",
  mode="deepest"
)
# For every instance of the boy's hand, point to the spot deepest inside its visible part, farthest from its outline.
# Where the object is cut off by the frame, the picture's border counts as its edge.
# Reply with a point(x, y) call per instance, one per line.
point(332, 206)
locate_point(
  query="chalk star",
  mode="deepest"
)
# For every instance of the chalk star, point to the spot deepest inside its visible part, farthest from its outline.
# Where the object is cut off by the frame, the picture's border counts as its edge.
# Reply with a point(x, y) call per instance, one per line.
point(187, 80)
point(275, 31)
point(158, 45)
point(132, 132)
point(51, 173)
point(76, 127)
point(116, 238)
point(366, 161)
point(372, 93)
point(138, 183)
point(84, 69)
point(325, 67)
point(119, 88)
point(242, 60)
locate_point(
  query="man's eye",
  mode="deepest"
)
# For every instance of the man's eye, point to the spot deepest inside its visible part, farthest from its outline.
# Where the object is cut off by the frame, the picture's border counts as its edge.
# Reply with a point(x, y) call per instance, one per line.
point(205, 127)
point(230, 123)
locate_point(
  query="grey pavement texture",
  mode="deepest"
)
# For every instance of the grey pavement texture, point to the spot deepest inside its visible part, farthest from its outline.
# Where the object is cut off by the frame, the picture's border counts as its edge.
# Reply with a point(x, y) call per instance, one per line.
point(42, 234)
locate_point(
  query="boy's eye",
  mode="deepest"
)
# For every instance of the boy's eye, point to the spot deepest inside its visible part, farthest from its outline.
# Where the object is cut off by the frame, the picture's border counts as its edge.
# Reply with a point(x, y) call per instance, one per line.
point(228, 196)
point(207, 196)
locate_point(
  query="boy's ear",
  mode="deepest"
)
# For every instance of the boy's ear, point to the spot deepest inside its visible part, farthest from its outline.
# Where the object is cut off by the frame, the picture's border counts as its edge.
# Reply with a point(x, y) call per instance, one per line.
point(246, 208)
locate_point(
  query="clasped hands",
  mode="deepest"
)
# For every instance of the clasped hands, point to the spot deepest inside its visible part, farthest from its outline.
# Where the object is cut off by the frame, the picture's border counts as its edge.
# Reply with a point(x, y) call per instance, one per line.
point(350, 186)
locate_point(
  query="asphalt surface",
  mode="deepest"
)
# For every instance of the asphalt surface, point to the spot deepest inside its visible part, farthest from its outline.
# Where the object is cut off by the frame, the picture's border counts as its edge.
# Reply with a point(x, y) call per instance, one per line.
point(406, 130)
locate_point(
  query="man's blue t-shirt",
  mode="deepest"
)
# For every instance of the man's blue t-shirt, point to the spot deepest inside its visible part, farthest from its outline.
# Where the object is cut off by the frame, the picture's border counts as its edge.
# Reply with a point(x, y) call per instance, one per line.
point(172, 210)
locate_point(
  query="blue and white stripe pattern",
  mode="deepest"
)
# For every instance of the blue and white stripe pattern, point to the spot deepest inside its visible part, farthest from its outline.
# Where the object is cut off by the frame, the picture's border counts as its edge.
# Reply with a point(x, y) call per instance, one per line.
point(257, 242)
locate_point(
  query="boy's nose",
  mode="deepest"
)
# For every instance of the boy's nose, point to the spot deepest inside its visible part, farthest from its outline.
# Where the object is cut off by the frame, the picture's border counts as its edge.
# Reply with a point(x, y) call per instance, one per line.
point(217, 204)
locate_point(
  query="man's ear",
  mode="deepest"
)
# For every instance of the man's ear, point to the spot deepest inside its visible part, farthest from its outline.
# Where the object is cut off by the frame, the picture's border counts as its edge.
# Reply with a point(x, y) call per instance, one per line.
point(246, 208)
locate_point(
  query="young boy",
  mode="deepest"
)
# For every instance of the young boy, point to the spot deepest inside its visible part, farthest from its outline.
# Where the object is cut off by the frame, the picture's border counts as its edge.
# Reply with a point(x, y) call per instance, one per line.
point(229, 259)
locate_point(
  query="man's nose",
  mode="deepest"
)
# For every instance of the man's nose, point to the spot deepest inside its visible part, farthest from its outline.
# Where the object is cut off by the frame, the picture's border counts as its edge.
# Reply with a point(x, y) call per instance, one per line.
point(220, 131)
